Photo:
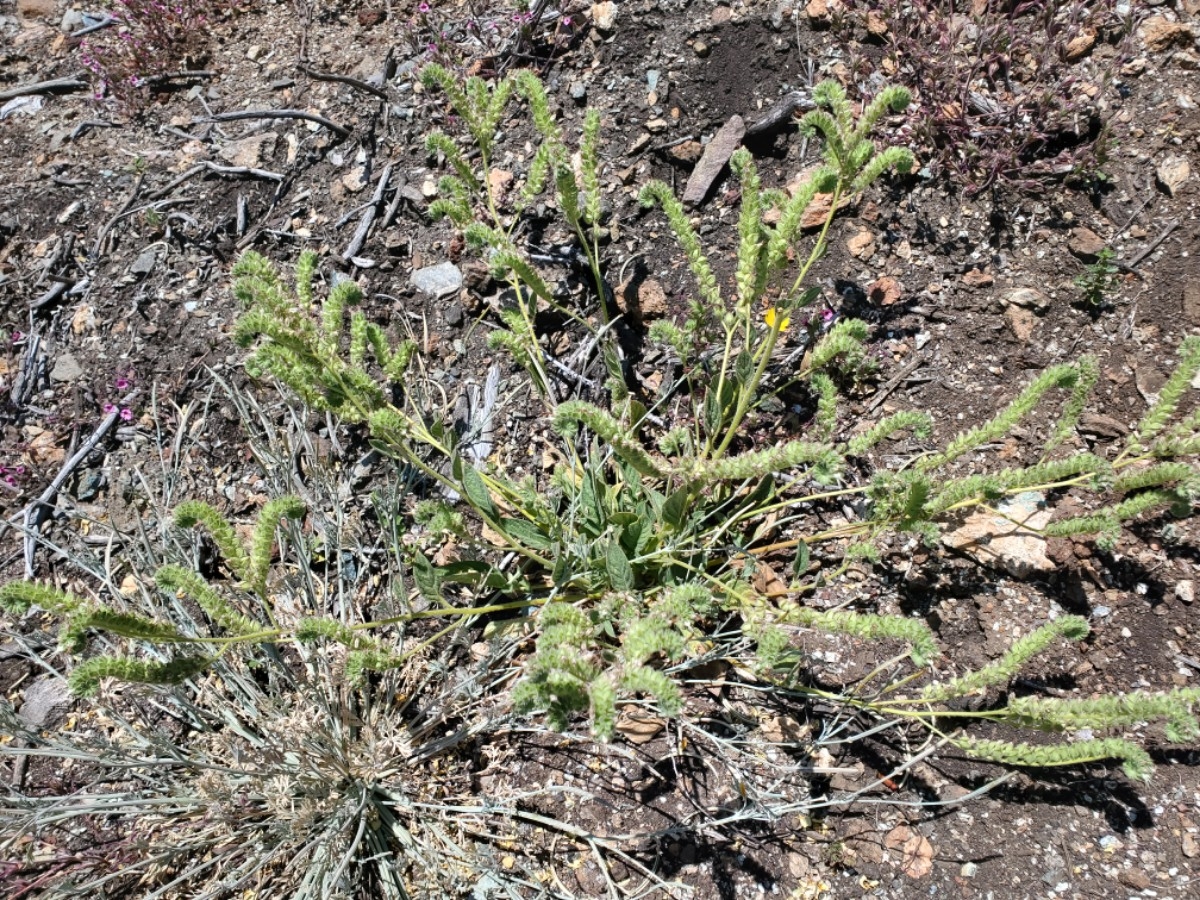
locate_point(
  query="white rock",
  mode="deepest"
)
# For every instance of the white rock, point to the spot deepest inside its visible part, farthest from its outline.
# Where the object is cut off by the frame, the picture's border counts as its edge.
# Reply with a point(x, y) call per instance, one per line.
point(1010, 541)
point(438, 281)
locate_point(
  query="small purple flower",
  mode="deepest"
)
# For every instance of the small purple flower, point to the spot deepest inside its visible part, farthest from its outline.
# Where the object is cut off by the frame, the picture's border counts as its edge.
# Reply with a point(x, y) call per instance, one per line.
point(127, 415)
point(122, 383)
point(109, 409)
point(566, 21)
point(20, 470)
point(423, 7)
point(827, 315)
point(10, 481)
point(17, 335)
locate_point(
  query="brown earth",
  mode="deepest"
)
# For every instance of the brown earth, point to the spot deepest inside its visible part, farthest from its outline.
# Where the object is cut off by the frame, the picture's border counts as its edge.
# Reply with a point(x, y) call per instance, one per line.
point(148, 263)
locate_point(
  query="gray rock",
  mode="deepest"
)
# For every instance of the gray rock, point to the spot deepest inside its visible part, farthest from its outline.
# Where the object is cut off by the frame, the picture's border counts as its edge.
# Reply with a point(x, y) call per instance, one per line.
point(1029, 298)
point(145, 262)
point(454, 314)
point(46, 698)
point(438, 281)
point(578, 91)
point(1186, 591)
point(66, 368)
point(72, 20)
point(713, 162)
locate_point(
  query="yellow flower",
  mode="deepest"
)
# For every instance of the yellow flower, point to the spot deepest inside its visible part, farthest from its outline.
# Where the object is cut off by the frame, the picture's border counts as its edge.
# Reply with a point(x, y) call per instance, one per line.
point(770, 319)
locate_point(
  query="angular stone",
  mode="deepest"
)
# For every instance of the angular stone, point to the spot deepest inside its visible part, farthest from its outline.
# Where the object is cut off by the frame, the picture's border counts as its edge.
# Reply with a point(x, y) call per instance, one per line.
point(1080, 45)
point(438, 281)
point(1010, 541)
point(689, 152)
point(885, 291)
point(46, 698)
point(1101, 427)
point(642, 301)
point(145, 262)
point(977, 278)
point(1085, 243)
point(1027, 298)
point(355, 180)
point(817, 13)
point(249, 151)
point(604, 15)
point(1173, 172)
point(1159, 33)
point(1191, 302)
point(862, 245)
point(713, 162)
point(818, 210)
point(66, 368)
point(1022, 322)
point(651, 300)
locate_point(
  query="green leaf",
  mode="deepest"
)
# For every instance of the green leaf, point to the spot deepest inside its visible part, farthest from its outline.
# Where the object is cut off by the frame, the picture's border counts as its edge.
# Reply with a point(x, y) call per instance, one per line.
point(524, 532)
point(800, 563)
point(616, 564)
point(802, 300)
point(562, 572)
point(427, 578)
point(744, 367)
point(465, 571)
point(631, 531)
point(674, 510)
point(477, 493)
point(713, 411)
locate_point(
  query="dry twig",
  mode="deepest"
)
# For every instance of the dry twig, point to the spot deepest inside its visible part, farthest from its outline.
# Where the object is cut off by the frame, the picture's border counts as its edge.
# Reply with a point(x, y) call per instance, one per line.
point(339, 130)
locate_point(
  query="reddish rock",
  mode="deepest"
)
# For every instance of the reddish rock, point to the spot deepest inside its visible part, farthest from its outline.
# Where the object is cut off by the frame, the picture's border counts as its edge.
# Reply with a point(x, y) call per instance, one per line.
point(1085, 243)
point(1080, 46)
point(689, 152)
point(862, 245)
point(885, 291)
point(1159, 33)
point(1021, 321)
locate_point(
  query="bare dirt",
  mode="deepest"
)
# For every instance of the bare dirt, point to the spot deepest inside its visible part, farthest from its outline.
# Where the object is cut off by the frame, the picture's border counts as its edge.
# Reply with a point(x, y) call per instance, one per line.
point(149, 310)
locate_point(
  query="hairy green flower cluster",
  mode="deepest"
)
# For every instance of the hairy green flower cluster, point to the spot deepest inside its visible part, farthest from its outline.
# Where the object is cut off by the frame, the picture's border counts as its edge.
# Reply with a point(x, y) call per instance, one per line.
point(575, 670)
point(1135, 761)
point(292, 349)
point(85, 678)
point(1105, 712)
point(867, 626)
point(248, 564)
point(1073, 628)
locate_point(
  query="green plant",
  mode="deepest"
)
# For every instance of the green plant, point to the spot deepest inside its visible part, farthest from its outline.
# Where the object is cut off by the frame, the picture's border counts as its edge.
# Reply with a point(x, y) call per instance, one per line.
point(649, 551)
point(1100, 278)
point(627, 522)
